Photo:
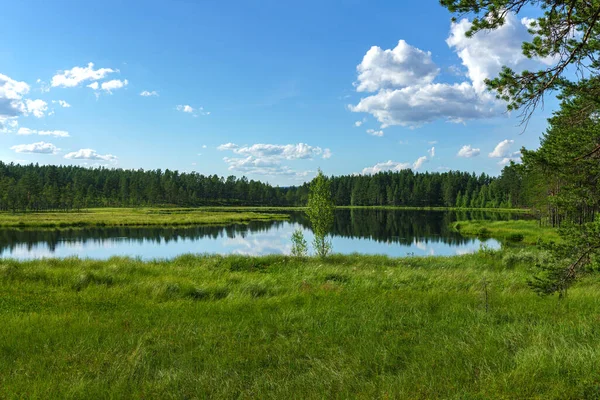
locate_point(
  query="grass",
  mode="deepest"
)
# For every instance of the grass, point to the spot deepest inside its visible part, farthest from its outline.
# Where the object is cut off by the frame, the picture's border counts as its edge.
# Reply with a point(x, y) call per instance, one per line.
point(526, 231)
point(407, 208)
point(275, 327)
point(510, 210)
point(131, 217)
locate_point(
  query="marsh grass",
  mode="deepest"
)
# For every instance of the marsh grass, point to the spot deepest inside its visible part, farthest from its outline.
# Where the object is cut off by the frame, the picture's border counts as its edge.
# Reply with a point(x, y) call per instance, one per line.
point(280, 327)
point(525, 231)
point(101, 217)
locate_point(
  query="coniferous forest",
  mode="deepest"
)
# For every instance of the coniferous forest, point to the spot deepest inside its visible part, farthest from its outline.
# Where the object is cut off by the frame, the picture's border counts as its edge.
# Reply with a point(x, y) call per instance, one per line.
point(37, 188)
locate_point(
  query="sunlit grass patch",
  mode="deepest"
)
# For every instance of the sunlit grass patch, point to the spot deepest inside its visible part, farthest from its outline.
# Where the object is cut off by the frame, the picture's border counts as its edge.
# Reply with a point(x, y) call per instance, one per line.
point(277, 327)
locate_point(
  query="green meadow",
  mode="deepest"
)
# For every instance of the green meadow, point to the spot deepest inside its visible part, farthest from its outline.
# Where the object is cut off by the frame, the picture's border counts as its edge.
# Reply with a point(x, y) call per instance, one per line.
point(465, 327)
point(133, 217)
point(526, 231)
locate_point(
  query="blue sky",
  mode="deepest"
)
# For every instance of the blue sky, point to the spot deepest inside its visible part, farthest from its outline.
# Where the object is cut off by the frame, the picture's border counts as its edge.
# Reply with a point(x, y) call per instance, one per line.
point(270, 89)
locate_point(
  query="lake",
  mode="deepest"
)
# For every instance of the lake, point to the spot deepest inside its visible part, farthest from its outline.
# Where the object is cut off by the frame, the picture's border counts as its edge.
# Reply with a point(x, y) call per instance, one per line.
point(395, 233)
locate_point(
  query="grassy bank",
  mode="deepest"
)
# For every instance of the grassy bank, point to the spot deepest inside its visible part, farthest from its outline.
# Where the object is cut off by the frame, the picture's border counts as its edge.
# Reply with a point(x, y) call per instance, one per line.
point(526, 231)
point(274, 327)
point(399, 208)
point(508, 210)
point(131, 217)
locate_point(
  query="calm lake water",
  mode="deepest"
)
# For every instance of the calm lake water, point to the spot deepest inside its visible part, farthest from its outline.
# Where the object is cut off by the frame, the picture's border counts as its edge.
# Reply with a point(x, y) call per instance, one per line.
point(395, 233)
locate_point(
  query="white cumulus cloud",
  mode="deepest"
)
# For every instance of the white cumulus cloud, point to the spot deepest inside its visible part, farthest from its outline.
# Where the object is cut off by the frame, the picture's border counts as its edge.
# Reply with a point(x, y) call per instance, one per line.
point(147, 93)
point(37, 148)
point(467, 151)
point(502, 149)
point(89, 154)
point(267, 159)
point(419, 163)
point(403, 80)
point(55, 133)
point(113, 85)
point(77, 75)
point(516, 157)
point(486, 52)
point(385, 166)
point(185, 108)
point(8, 124)
point(61, 103)
point(401, 66)
point(11, 95)
point(36, 107)
point(374, 132)
point(395, 166)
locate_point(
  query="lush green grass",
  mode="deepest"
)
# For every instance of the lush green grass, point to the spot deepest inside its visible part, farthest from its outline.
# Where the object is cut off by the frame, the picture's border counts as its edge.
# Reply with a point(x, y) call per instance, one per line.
point(510, 210)
point(165, 216)
point(132, 217)
point(400, 208)
point(275, 327)
point(526, 231)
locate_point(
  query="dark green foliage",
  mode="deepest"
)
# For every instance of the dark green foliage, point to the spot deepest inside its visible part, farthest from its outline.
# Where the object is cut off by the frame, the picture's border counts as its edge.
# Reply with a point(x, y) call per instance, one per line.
point(515, 237)
point(36, 188)
point(576, 255)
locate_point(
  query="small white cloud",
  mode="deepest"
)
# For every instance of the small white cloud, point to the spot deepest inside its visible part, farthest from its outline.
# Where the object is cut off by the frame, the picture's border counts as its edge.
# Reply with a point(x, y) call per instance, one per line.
point(358, 123)
point(55, 133)
point(228, 146)
point(283, 151)
point(8, 125)
point(203, 146)
point(467, 151)
point(62, 103)
point(374, 132)
point(386, 166)
point(516, 157)
point(146, 93)
point(113, 85)
point(89, 154)
point(431, 152)
point(37, 148)
point(502, 149)
point(266, 159)
point(78, 75)
point(419, 163)
point(432, 142)
point(26, 131)
point(36, 107)
point(395, 166)
point(93, 85)
point(185, 108)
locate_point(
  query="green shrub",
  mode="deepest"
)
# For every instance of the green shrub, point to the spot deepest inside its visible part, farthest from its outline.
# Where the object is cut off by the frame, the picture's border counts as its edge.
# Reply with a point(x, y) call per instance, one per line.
point(484, 232)
point(515, 237)
point(299, 245)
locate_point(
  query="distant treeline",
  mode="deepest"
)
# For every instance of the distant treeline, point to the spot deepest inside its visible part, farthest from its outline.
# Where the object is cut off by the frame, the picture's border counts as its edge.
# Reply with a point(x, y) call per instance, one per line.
point(34, 187)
